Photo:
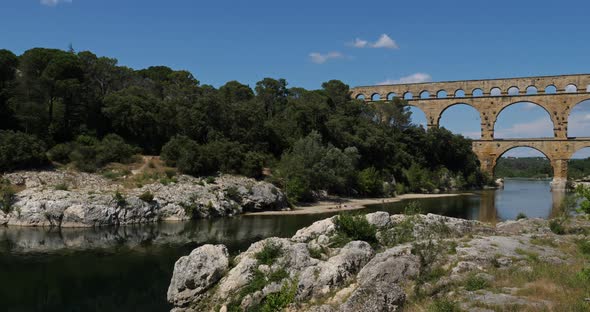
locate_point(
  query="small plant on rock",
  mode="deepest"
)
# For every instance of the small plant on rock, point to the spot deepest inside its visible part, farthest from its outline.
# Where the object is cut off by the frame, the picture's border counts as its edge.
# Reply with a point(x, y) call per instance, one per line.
point(7, 193)
point(120, 200)
point(520, 215)
point(355, 227)
point(556, 226)
point(147, 197)
point(444, 305)
point(475, 282)
point(269, 254)
point(61, 187)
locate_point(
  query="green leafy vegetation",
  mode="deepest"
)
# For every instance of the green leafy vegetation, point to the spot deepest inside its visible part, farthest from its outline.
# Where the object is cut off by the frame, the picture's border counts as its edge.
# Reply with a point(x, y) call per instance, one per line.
point(444, 305)
point(7, 193)
point(523, 167)
point(81, 109)
point(147, 197)
point(350, 227)
point(521, 215)
point(269, 254)
point(475, 282)
point(62, 186)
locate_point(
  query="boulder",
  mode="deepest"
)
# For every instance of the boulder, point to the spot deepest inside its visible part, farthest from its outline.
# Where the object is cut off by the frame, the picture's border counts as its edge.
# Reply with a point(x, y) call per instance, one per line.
point(375, 297)
point(196, 273)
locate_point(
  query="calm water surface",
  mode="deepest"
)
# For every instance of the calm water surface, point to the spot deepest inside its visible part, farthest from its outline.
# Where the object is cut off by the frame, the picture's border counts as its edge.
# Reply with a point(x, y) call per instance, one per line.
point(129, 268)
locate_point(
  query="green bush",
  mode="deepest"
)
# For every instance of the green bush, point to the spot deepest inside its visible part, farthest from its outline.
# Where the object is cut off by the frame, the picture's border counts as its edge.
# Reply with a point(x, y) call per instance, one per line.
point(61, 187)
point(269, 254)
point(355, 227)
point(298, 190)
point(88, 153)
point(276, 302)
point(120, 200)
point(475, 282)
point(556, 227)
point(60, 153)
point(444, 305)
point(20, 151)
point(7, 193)
point(521, 216)
point(419, 178)
point(583, 246)
point(147, 196)
point(370, 182)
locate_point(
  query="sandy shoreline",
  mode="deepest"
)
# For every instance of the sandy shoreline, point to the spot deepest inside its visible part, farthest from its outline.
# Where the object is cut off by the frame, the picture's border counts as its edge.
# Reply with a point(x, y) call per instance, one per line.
point(346, 204)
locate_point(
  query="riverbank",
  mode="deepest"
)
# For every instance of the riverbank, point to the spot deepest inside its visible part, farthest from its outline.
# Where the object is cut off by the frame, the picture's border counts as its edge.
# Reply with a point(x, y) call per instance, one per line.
point(382, 262)
point(63, 198)
point(347, 204)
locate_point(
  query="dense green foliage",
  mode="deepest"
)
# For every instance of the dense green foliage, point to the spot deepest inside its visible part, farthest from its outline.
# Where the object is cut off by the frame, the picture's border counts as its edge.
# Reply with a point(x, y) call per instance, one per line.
point(89, 111)
point(354, 227)
point(523, 167)
point(578, 168)
point(19, 150)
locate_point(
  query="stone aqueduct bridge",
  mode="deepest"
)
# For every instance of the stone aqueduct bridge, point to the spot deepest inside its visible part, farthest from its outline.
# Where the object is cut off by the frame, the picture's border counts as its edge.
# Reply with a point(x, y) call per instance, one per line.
point(556, 94)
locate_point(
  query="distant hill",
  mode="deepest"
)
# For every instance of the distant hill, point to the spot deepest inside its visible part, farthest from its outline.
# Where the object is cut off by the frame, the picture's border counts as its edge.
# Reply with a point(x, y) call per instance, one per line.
point(538, 167)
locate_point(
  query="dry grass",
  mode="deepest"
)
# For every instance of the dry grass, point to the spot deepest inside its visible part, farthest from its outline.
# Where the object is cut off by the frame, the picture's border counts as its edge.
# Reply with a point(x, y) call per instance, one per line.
point(148, 170)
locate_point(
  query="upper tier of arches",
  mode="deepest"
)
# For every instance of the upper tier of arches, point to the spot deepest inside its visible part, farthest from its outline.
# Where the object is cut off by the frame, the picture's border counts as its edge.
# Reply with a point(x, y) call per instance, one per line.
point(476, 88)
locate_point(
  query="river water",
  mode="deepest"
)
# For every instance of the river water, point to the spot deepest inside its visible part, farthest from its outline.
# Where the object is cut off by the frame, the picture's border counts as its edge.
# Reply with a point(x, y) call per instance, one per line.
point(129, 268)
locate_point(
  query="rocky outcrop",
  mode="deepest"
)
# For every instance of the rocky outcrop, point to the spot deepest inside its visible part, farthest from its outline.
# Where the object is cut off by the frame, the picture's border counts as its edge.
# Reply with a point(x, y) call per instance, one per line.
point(196, 273)
point(71, 199)
point(321, 269)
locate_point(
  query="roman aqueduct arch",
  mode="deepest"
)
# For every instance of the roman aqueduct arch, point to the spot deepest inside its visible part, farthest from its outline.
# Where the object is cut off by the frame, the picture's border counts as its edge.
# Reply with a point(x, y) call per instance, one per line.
point(558, 95)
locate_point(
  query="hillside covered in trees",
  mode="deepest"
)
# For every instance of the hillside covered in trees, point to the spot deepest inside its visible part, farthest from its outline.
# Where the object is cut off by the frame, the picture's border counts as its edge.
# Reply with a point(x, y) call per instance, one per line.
point(538, 167)
point(78, 109)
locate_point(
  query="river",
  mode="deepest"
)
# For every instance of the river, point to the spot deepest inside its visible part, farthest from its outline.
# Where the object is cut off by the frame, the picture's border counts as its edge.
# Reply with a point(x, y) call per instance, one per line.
point(129, 268)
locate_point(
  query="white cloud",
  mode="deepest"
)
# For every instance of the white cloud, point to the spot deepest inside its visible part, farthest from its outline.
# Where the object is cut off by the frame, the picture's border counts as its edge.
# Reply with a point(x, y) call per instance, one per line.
point(320, 58)
point(537, 128)
point(528, 106)
point(413, 78)
point(54, 2)
point(384, 42)
point(359, 43)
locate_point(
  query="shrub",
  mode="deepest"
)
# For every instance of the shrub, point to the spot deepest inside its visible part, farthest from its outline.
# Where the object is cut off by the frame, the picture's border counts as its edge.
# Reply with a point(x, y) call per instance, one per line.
point(278, 301)
point(583, 246)
point(233, 193)
point(20, 151)
point(60, 153)
point(298, 190)
point(269, 254)
point(355, 227)
point(7, 193)
point(147, 197)
point(419, 178)
point(402, 232)
point(521, 216)
point(444, 305)
point(370, 182)
point(88, 153)
point(113, 148)
point(556, 227)
point(475, 282)
point(61, 187)
point(120, 200)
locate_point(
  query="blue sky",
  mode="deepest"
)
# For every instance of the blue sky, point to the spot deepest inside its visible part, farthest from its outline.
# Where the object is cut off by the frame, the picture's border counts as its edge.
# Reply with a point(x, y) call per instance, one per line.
point(309, 42)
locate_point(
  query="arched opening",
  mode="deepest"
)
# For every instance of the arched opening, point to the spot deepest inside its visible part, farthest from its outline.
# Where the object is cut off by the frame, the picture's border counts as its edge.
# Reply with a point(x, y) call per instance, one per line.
point(531, 195)
point(418, 118)
point(462, 119)
point(460, 93)
point(523, 120)
point(513, 91)
point(360, 97)
point(408, 95)
point(495, 91)
point(441, 94)
point(579, 165)
point(424, 95)
point(571, 88)
point(391, 96)
point(578, 122)
point(550, 89)
point(477, 92)
point(531, 90)
point(375, 97)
